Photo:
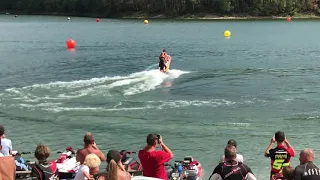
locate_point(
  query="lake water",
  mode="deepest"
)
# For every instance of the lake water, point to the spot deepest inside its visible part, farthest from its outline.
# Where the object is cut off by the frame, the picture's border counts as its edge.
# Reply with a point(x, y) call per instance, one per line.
point(263, 79)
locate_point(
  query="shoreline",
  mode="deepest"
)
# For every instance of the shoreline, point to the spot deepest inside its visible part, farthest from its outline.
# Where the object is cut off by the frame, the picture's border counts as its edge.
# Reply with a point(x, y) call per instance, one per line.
point(203, 16)
point(208, 16)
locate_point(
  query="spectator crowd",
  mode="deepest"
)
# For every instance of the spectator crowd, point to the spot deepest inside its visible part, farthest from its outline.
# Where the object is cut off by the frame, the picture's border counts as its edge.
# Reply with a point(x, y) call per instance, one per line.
point(230, 167)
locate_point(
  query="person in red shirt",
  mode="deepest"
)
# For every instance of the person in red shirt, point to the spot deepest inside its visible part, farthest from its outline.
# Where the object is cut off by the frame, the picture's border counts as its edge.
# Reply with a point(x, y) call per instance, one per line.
point(280, 156)
point(153, 161)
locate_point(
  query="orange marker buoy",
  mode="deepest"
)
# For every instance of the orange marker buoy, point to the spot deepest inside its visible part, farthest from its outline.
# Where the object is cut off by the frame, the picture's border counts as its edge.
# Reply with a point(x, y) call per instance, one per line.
point(146, 22)
point(71, 44)
point(288, 19)
point(97, 20)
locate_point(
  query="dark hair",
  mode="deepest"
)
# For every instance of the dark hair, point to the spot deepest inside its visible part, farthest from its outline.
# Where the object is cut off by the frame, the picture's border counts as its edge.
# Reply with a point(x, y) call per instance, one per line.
point(113, 158)
point(230, 152)
point(288, 172)
point(232, 142)
point(152, 139)
point(279, 136)
point(113, 155)
point(164, 50)
point(88, 138)
point(1, 130)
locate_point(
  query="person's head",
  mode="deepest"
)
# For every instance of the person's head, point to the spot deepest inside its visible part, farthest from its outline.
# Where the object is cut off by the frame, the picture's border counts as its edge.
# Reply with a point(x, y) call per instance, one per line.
point(1, 131)
point(92, 161)
point(288, 172)
point(164, 50)
point(230, 152)
point(42, 152)
point(232, 142)
point(306, 155)
point(114, 163)
point(88, 139)
point(152, 140)
point(279, 136)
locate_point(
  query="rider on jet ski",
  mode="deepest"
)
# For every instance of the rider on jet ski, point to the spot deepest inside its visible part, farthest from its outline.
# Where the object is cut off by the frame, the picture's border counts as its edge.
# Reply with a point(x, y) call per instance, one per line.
point(163, 59)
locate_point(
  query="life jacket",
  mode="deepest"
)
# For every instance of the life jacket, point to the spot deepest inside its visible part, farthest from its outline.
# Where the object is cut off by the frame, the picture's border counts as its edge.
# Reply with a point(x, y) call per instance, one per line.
point(236, 171)
point(45, 171)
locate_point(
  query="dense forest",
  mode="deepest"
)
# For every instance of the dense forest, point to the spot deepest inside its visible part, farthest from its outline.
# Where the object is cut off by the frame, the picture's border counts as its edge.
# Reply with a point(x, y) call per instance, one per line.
point(116, 8)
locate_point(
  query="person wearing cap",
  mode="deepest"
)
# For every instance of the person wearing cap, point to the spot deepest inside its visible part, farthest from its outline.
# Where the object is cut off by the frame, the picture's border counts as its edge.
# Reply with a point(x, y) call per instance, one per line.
point(90, 146)
point(239, 157)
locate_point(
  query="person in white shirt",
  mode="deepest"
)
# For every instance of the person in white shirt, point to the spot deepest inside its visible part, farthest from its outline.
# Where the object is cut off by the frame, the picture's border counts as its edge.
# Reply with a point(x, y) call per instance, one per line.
point(5, 143)
point(91, 161)
point(232, 169)
point(239, 156)
point(1, 155)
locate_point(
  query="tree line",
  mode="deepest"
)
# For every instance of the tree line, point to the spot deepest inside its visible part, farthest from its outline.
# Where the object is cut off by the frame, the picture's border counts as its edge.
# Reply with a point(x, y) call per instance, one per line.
point(115, 8)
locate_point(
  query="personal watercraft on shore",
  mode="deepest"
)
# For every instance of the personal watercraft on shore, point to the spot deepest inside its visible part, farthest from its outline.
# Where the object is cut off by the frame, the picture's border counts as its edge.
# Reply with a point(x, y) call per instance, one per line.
point(65, 167)
point(130, 163)
point(188, 169)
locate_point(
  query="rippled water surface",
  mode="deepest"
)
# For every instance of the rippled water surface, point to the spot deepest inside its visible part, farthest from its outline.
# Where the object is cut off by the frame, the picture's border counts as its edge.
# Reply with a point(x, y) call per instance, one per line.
point(263, 79)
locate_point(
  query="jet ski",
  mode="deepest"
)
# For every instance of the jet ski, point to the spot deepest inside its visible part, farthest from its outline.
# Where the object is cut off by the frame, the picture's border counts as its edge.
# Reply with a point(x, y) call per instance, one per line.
point(164, 65)
point(188, 169)
point(65, 167)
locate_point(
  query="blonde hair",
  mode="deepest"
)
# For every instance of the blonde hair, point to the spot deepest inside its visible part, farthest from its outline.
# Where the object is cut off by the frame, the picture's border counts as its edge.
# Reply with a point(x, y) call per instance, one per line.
point(42, 152)
point(113, 170)
point(92, 161)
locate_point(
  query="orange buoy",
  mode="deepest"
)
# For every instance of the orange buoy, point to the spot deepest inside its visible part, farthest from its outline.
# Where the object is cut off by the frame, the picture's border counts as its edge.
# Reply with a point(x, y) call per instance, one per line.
point(97, 20)
point(146, 22)
point(71, 44)
point(288, 19)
